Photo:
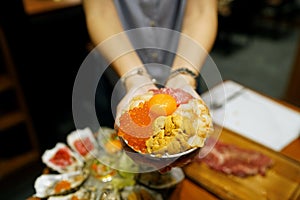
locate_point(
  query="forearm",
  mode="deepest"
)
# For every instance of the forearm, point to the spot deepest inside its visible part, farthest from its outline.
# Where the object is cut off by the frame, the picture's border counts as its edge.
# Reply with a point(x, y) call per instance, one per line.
point(103, 23)
point(199, 31)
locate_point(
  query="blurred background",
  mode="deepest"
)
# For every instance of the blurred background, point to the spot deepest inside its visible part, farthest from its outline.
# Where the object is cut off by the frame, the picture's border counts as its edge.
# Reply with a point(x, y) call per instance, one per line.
point(44, 42)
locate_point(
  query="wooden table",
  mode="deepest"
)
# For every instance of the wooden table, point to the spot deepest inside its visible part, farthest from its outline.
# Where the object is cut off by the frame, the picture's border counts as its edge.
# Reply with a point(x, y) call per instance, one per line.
point(191, 190)
point(33, 7)
point(194, 189)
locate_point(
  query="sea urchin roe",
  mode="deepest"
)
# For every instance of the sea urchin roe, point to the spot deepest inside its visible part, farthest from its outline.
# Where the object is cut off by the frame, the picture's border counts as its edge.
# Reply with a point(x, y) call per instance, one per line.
point(170, 136)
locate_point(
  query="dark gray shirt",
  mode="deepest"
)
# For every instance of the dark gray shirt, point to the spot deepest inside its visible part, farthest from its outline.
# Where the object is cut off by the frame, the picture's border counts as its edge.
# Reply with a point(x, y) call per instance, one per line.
point(166, 14)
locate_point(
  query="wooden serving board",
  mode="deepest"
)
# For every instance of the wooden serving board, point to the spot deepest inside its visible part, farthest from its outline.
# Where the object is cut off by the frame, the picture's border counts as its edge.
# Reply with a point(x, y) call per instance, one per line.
point(281, 182)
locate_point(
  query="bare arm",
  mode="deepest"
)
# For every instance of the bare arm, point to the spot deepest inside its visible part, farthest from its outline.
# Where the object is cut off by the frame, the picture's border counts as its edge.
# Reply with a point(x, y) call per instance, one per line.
point(103, 23)
point(105, 27)
point(200, 25)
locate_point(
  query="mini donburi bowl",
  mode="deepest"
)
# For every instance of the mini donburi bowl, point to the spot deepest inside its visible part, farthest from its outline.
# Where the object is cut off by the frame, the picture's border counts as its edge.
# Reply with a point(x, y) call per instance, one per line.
point(162, 163)
point(166, 155)
point(165, 124)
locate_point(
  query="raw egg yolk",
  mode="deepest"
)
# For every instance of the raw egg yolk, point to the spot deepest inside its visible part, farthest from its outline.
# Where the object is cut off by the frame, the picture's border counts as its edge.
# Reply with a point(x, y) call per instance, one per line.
point(162, 104)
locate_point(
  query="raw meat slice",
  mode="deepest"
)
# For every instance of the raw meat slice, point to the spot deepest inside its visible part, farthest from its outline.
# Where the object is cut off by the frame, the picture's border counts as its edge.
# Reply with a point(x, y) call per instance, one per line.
point(230, 159)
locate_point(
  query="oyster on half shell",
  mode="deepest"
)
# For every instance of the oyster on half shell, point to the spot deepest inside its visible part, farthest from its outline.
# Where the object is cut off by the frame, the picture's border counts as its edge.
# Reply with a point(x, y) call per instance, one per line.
point(62, 159)
point(55, 184)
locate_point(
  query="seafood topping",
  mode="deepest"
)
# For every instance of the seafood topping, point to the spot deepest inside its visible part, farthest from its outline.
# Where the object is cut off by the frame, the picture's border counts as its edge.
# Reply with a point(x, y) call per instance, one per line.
point(83, 146)
point(136, 121)
point(62, 158)
point(62, 186)
point(101, 171)
point(180, 95)
point(83, 142)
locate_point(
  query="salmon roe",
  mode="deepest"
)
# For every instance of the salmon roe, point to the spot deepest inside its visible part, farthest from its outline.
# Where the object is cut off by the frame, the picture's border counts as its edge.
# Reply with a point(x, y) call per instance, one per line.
point(135, 127)
point(140, 115)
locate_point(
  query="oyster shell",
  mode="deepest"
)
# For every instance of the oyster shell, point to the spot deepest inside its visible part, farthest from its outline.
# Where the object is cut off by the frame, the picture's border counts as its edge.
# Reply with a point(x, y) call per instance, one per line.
point(82, 193)
point(140, 192)
point(109, 194)
point(62, 159)
point(101, 171)
point(83, 142)
point(56, 184)
point(156, 180)
point(109, 141)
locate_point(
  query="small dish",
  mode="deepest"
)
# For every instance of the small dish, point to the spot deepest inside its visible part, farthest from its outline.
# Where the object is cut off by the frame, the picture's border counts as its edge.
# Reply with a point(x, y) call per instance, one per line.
point(166, 156)
point(158, 181)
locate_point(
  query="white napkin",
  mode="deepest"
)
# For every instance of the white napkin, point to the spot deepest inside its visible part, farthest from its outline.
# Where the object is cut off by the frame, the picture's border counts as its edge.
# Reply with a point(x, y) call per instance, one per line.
point(254, 116)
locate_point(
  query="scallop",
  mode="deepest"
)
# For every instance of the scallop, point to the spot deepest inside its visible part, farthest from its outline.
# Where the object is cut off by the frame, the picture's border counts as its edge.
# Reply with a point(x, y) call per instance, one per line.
point(57, 184)
point(62, 159)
